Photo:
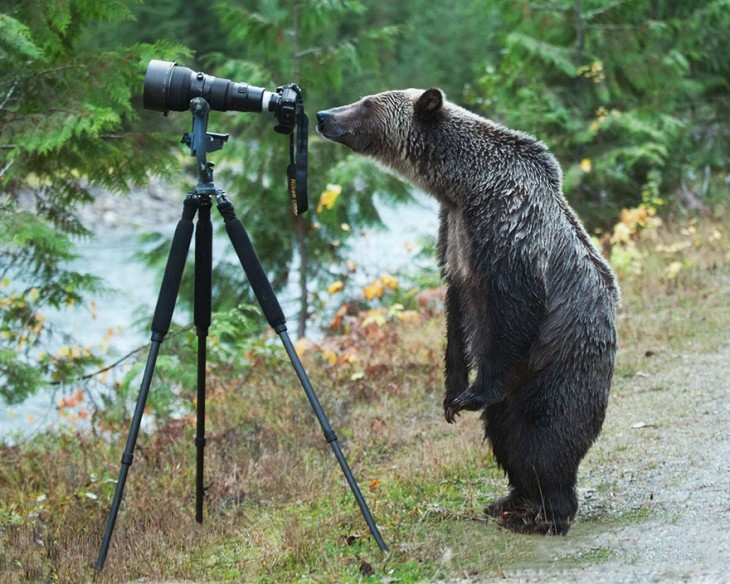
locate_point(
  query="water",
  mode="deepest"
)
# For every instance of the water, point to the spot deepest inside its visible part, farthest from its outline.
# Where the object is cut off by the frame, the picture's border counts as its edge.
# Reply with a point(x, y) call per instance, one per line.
point(111, 257)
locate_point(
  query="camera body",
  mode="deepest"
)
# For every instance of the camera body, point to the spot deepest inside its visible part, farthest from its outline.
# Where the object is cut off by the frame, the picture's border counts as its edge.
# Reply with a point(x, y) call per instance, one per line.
point(170, 87)
point(285, 108)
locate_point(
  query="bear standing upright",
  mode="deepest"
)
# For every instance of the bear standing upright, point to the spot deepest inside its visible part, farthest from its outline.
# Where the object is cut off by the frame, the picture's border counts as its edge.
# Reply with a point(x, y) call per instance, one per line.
point(530, 302)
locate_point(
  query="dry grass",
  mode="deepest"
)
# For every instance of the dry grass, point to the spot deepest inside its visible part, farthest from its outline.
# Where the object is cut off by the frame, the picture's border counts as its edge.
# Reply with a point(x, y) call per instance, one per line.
point(277, 506)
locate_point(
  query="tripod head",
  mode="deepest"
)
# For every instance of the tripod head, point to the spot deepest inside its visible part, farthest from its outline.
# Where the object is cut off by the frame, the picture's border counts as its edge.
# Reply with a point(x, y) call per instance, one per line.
point(201, 142)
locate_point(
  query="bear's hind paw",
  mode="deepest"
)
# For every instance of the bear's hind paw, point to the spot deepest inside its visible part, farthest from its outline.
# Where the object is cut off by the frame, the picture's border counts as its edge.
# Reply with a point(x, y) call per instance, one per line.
point(532, 523)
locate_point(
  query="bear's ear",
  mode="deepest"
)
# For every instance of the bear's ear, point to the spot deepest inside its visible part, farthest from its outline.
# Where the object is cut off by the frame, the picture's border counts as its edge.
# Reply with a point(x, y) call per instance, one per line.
point(429, 103)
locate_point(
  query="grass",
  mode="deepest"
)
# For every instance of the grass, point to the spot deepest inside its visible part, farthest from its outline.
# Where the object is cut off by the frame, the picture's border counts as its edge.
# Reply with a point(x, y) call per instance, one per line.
point(277, 507)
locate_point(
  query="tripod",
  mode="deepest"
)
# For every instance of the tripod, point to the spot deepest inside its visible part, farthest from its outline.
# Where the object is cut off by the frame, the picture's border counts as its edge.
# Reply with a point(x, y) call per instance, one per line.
point(199, 201)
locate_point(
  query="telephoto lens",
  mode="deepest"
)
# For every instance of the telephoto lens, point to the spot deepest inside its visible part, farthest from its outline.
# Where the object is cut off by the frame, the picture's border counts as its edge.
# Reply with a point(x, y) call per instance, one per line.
point(170, 87)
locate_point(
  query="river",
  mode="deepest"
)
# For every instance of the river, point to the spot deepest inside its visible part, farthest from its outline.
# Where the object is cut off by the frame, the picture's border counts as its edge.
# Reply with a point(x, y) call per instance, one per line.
point(128, 311)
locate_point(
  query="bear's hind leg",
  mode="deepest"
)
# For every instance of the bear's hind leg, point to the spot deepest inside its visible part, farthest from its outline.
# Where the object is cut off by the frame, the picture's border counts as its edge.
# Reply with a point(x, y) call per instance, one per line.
point(541, 457)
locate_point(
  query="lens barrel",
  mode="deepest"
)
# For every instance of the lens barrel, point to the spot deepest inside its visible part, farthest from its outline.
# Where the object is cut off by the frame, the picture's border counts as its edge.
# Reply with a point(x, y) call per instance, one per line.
point(169, 87)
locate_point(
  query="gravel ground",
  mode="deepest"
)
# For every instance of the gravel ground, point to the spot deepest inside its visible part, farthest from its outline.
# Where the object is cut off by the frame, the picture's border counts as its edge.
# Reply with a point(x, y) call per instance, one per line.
point(655, 488)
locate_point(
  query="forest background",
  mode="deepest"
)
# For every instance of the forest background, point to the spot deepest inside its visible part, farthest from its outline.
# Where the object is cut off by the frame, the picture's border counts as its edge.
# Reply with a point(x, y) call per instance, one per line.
point(631, 96)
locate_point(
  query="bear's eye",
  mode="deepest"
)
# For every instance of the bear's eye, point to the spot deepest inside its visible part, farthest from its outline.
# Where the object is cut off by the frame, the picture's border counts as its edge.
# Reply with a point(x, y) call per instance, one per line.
point(367, 104)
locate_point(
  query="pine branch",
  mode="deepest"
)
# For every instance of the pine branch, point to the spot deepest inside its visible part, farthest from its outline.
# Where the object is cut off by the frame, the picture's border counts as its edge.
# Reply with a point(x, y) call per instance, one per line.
point(5, 168)
point(118, 362)
point(9, 94)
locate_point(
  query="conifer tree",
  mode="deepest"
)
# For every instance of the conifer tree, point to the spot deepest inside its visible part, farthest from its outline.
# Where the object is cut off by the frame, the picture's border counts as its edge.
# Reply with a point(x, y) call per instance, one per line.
point(330, 50)
point(66, 127)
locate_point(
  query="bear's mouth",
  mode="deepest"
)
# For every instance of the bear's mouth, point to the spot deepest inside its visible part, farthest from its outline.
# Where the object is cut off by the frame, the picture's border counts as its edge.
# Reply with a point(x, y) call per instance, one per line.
point(332, 133)
point(345, 137)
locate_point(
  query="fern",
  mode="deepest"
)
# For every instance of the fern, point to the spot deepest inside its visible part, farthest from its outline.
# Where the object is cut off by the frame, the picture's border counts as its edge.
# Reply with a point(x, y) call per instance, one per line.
point(560, 58)
point(16, 40)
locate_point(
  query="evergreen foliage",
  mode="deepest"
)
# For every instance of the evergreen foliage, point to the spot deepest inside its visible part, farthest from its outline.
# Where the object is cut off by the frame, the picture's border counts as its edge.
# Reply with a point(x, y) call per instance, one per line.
point(631, 96)
point(66, 128)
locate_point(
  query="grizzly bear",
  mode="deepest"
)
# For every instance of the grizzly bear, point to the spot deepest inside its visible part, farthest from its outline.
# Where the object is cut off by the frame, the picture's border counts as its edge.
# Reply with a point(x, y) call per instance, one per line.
point(530, 302)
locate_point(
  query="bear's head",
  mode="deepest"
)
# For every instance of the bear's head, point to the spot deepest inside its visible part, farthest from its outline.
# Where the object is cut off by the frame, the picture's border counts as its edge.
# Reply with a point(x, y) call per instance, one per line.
point(438, 146)
point(384, 125)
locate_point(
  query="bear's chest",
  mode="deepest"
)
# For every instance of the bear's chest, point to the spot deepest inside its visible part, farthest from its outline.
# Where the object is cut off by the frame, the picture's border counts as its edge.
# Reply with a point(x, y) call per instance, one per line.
point(459, 265)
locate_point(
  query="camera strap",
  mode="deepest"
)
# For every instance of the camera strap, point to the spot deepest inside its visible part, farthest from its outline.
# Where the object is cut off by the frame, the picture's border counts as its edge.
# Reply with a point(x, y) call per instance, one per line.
point(297, 170)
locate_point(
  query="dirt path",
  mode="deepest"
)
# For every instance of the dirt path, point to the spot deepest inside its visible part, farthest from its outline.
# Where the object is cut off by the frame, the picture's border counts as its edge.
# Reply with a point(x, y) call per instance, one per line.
point(655, 489)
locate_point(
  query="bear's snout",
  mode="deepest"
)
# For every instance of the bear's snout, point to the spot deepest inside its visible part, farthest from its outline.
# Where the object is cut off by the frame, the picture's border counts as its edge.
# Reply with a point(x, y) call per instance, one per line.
point(328, 126)
point(322, 116)
point(344, 125)
point(325, 121)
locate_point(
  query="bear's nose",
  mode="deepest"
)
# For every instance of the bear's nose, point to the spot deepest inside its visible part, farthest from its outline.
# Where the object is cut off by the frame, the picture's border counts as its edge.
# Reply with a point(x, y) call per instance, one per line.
point(322, 116)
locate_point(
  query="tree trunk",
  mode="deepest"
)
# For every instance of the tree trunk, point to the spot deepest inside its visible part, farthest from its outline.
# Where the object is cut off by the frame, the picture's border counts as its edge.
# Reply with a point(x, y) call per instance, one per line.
point(300, 225)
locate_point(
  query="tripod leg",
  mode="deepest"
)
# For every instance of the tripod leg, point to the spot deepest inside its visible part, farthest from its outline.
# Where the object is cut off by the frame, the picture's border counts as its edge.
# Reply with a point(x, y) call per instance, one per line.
point(331, 438)
point(203, 277)
point(160, 325)
point(274, 315)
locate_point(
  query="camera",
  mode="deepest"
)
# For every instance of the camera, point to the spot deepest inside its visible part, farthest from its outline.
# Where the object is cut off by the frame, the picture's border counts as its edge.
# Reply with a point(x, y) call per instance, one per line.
point(170, 87)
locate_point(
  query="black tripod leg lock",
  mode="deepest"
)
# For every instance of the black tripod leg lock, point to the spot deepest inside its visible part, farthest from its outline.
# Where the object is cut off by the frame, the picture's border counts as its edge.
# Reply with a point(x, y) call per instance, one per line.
point(200, 441)
point(330, 436)
point(127, 458)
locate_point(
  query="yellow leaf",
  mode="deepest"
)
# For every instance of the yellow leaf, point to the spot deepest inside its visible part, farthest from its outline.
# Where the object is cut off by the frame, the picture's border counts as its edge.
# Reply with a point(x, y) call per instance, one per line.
point(335, 287)
point(673, 248)
point(302, 345)
point(389, 281)
point(409, 316)
point(328, 197)
point(376, 317)
point(374, 290)
point(586, 165)
point(350, 358)
point(621, 233)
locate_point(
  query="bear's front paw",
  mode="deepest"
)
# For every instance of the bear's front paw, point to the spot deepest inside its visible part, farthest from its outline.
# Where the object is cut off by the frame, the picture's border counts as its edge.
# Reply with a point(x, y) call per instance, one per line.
point(468, 400)
point(465, 401)
point(452, 409)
